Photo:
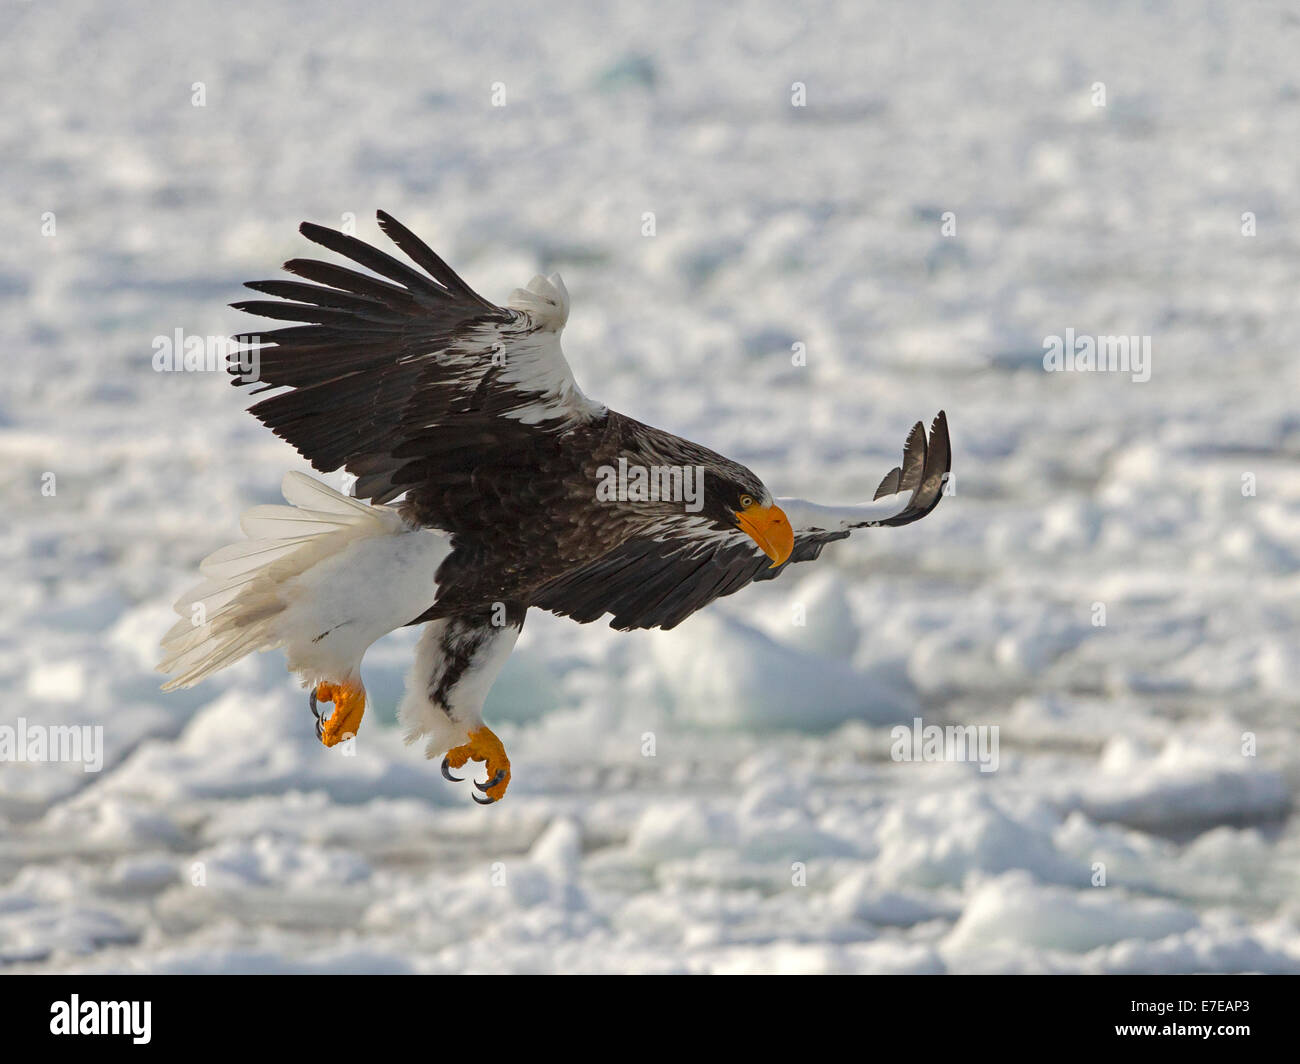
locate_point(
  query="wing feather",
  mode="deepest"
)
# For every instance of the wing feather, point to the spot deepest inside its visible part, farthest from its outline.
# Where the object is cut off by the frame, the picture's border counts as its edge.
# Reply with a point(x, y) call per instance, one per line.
point(383, 371)
point(658, 582)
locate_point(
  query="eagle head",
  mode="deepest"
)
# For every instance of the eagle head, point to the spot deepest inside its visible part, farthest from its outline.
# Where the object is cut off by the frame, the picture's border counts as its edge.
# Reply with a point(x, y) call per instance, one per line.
point(738, 499)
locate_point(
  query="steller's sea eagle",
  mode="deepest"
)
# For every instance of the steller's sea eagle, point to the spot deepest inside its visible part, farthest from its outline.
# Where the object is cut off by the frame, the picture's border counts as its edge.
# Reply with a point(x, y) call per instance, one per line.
point(517, 491)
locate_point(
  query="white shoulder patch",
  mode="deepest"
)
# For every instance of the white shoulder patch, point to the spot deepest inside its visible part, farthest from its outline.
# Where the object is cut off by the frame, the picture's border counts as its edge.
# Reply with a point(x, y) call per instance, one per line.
point(546, 299)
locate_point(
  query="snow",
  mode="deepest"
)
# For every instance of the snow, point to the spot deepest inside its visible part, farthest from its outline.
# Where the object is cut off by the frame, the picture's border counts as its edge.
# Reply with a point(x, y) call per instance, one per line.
point(719, 798)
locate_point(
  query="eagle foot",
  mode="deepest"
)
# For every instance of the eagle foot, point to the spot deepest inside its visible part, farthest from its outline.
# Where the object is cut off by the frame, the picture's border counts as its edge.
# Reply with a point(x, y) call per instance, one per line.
point(349, 706)
point(483, 746)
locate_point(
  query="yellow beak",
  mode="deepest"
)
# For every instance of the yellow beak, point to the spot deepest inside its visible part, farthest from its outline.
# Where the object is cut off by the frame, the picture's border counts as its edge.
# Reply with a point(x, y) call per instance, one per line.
point(770, 529)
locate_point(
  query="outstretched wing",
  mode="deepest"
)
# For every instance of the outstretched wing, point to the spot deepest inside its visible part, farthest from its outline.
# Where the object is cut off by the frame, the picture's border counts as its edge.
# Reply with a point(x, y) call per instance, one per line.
point(925, 468)
point(399, 376)
point(658, 583)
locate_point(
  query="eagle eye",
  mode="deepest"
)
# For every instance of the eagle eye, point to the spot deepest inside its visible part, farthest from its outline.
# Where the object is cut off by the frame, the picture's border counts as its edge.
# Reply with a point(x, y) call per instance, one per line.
point(746, 501)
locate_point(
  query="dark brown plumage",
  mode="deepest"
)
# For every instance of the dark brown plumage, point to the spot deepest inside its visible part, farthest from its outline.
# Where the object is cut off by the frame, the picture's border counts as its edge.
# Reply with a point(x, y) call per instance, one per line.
point(406, 380)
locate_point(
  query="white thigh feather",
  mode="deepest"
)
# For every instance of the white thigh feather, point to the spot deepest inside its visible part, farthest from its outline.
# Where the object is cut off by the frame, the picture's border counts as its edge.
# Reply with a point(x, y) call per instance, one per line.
point(443, 709)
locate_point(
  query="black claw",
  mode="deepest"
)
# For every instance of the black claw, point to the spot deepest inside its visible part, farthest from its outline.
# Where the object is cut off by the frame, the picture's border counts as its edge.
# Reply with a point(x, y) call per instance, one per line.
point(446, 773)
point(482, 801)
point(485, 787)
point(320, 720)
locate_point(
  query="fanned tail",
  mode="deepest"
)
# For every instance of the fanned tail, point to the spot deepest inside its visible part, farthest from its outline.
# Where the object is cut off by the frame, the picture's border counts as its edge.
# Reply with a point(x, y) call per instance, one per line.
point(248, 586)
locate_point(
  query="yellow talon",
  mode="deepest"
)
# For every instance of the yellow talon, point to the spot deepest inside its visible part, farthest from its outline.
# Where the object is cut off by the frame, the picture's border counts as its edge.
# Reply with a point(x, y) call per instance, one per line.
point(349, 705)
point(483, 746)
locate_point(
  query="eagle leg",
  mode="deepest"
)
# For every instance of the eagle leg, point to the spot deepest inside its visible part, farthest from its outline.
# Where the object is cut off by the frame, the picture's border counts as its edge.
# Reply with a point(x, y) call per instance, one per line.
point(349, 706)
point(483, 746)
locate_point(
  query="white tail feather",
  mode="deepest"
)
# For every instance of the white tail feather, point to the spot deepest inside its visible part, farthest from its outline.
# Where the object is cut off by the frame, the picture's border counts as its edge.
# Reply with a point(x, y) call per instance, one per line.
point(324, 562)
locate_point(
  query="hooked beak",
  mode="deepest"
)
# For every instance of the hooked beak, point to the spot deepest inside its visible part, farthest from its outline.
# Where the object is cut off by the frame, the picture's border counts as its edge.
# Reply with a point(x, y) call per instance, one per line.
point(770, 529)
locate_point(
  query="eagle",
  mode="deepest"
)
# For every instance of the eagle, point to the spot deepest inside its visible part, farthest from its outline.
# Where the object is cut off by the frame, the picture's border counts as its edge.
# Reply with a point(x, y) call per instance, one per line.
point(486, 484)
